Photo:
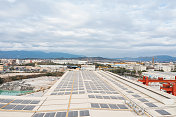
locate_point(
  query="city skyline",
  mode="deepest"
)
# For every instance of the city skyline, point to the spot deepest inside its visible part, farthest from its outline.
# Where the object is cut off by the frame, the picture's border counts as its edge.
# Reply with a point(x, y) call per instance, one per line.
point(113, 28)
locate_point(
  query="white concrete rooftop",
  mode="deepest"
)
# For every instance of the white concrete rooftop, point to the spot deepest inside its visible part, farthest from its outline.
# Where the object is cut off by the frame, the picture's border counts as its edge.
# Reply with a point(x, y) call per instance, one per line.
point(92, 94)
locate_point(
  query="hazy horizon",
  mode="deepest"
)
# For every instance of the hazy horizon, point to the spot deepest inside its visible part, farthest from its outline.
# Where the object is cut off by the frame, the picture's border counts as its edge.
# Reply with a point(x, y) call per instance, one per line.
point(111, 29)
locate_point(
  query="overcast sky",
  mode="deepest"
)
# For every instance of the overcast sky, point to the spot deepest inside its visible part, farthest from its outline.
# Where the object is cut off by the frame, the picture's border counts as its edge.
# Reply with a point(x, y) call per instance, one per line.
point(107, 28)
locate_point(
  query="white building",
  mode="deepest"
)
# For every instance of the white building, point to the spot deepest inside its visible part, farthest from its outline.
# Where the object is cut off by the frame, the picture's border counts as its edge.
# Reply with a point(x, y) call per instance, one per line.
point(139, 68)
point(88, 67)
point(72, 61)
point(165, 68)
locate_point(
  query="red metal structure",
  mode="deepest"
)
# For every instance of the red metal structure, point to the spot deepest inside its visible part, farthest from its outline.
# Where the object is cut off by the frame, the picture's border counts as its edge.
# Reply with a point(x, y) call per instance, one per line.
point(170, 87)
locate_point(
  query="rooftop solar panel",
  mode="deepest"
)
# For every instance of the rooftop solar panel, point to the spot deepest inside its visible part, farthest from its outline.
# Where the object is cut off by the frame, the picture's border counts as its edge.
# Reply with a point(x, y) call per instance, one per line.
point(29, 107)
point(91, 96)
point(1, 105)
point(9, 106)
point(53, 93)
point(95, 105)
point(113, 97)
point(129, 91)
point(26, 101)
point(6, 100)
point(84, 113)
point(151, 105)
point(1, 100)
point(17, 101)
point(104, 106)
point(113, 106)
point(61, 114)
point(35, 102)
point(49, 115)
point(39, 115)
point(136, 96)
point(121, 98)
point(81, 92)
point(163, 112)
point(99, 97)
point(143, 100)
point(121, 106)
point(106, 97)
point(19, 107)
point(73, 114)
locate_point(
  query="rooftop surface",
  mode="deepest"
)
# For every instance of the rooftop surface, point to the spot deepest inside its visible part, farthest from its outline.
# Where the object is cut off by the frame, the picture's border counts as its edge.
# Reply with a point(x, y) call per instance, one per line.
point(92, 94)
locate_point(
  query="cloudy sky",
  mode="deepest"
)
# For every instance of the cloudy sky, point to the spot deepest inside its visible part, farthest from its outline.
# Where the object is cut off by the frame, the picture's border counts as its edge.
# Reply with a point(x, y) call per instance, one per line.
point(107, 28)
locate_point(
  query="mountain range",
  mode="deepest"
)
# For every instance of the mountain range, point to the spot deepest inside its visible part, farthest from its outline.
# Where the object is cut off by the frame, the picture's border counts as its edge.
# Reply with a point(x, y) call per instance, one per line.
point(159, 58)
point(54, 55)
point(35, 54)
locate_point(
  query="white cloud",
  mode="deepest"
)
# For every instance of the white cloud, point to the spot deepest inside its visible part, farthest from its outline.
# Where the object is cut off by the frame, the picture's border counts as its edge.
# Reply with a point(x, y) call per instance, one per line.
point(110, 28)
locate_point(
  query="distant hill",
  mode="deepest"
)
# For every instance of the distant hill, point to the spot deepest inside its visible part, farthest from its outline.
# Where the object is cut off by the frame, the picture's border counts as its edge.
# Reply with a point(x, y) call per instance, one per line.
point(160, 58)
point(35, 54)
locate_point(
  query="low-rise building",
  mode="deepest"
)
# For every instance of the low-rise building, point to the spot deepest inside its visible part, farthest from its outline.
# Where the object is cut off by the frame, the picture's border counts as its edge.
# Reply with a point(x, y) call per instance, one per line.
point(72, 61)
point(139, 68)
point(1, 67)
point(165, 68)
point(88, 67)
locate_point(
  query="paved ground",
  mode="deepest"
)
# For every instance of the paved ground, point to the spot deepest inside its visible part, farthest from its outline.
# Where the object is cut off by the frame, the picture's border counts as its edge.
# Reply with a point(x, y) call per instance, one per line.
point(16, 74)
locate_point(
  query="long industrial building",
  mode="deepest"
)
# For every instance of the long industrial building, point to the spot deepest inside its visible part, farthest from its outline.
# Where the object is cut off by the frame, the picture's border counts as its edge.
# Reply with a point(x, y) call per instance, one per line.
point(83, 93)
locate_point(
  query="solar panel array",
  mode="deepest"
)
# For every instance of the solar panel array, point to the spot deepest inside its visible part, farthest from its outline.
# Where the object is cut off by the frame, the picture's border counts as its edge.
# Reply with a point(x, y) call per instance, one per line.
point(108, 106)
point(150, 105)
point(80, 113)
point(18, 101)
point(65, 86)
point(17, 107)
point(106, 97)
point(19, 104)
point(96, 85)
point(163, 112)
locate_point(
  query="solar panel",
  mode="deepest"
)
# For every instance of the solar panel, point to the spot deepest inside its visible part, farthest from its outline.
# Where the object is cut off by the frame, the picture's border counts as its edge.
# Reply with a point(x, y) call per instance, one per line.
point(136, 96)
point(1, 105)
point(91, 96)
point(113, 106)
point(39, 115)
point(67, 93)
point(60, 93)
point(143, 100)
point(35, 102)
point(19, 107)
point(99, 97)
point(121, 106)
point(26, 102)
point(121, 98)
point(29, 107)
point(95, 105)
point(17, 101)
point(151, 105)
point(104, 106)
point(84, 113)
point(6, 100)
point(129, 91)
point(49, 115)
point(106, 97)
point(53, 93)
point(81, 92)
point(9, 106)
point(113, 97)
point(1, 100)
point(73, 114)
point(163, 112)
point(61, 114)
